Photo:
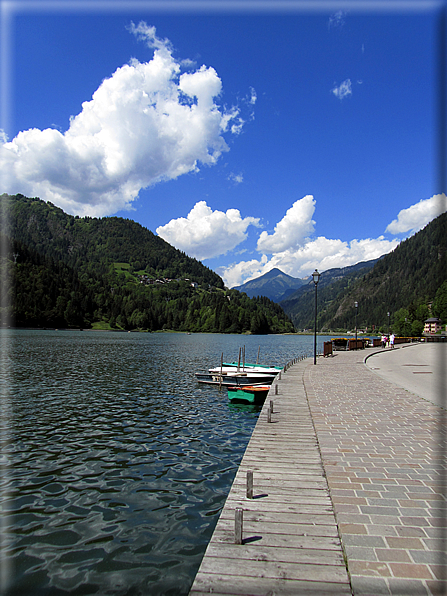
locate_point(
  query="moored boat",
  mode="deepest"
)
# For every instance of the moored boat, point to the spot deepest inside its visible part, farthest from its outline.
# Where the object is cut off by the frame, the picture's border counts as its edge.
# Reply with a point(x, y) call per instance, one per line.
point(238, 373)
point(251, 365)
point(254, 369)
point(253, 394)
point(233, 378)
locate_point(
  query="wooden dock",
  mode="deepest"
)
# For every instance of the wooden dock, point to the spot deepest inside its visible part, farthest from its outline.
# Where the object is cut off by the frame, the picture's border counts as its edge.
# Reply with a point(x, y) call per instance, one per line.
point(290, 541)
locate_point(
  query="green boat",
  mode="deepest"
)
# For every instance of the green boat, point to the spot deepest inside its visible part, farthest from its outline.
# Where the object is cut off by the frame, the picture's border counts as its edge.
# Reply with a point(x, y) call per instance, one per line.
point(252, 394)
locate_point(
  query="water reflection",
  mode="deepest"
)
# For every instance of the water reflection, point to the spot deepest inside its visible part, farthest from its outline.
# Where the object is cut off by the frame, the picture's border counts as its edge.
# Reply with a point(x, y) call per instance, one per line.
point(119, 462)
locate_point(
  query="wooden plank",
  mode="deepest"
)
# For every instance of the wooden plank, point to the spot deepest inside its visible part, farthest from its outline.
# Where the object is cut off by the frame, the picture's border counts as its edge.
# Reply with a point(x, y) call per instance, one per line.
point(226, 585)
point(222, 537)
point(274, 569)
point(281, 500)
point(253, 529)
point(275, 490)
point(275, 553)
point(283, 517)
point(296, 482)
point(314, 475)
point(286, 508)
point(261, 458)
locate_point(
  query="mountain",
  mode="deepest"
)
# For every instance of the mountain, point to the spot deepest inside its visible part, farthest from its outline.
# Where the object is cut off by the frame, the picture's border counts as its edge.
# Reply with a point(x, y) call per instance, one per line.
point(91, 242)
point(112, 273)
point(331, 277)
point(300, 306)
point(275, 285)
point(407, 280)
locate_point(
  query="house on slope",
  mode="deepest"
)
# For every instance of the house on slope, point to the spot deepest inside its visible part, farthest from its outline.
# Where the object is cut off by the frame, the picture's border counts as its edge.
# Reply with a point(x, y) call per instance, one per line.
point(432, 326)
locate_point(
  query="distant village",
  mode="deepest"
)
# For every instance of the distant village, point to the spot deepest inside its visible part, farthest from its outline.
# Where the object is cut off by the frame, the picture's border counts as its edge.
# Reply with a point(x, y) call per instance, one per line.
point(150, 281)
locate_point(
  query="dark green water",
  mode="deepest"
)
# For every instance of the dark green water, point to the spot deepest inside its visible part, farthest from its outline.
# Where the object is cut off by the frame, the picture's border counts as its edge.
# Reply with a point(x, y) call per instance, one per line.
point(115, 462)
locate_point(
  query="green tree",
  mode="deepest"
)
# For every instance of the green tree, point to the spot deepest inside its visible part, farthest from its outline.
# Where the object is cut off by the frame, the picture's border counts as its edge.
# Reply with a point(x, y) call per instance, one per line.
point(439, 307)
point(417, 328)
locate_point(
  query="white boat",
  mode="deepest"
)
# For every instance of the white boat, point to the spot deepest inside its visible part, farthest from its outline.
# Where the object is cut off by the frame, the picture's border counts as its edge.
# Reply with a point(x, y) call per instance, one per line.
point(237, 373)
point(252, 370)
point(233, 378)
point(250, 366)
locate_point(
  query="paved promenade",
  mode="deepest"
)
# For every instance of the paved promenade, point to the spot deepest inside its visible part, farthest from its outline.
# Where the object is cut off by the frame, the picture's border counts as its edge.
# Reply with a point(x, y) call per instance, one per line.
point(383, 450)
point(349, 487)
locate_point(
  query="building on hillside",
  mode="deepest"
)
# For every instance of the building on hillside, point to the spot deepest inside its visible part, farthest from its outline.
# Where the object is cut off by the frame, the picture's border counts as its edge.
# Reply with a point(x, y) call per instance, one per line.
point(432, 326)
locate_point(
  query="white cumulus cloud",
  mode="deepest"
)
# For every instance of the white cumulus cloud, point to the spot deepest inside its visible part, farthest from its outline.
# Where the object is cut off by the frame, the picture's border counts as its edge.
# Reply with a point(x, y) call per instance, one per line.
point(253, 96)
point(343, 90)
point(338, 19)
point(236, 178)
point(290, 232)
point(239, 273)
point(145, 124)
point(291, 251)
point(205, 233)
point(321, 253)
point(419, 215)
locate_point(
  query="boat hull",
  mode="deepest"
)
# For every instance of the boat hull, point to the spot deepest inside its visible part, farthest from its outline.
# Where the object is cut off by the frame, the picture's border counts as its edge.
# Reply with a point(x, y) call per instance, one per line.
point(252, 372)
point(251, 394)
point(239, 380)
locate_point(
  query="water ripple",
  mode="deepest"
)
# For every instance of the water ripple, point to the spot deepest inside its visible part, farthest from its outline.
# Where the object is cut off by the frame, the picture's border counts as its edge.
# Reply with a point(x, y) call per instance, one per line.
point(118, 461)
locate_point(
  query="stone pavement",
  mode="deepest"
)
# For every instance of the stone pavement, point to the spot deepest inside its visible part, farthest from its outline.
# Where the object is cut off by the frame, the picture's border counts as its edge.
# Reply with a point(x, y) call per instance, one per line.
point(383, 452)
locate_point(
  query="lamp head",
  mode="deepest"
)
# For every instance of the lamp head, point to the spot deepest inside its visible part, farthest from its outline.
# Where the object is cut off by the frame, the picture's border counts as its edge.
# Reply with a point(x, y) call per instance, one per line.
point(316, 276)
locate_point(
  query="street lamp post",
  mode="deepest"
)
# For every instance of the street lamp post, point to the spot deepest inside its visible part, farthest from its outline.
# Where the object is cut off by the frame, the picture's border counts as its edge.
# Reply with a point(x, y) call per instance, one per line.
point(356, 304)
point(388, 313)
point(316, 278)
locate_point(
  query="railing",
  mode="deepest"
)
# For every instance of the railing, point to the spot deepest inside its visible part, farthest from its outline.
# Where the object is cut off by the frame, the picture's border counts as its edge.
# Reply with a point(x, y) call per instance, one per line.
point(291, 363)
point(345, 343)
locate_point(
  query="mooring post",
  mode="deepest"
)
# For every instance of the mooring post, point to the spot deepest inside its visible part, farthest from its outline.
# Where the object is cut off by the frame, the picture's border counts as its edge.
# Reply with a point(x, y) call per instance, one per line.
point(249, 484)
point(238, 521)
point(276, 389)
point(279, 376)
point(271, 406)
point(269, 415)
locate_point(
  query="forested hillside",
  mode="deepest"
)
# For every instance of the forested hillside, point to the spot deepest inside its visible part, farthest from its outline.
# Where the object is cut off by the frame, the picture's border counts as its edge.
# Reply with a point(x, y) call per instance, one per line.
point(96, 243)
point(408, 283)
point(333, 283)
point(59, 270)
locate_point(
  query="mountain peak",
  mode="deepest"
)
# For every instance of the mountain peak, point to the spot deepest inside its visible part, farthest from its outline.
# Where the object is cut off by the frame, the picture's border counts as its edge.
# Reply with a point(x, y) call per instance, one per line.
point(272, 273)
point(274, 284)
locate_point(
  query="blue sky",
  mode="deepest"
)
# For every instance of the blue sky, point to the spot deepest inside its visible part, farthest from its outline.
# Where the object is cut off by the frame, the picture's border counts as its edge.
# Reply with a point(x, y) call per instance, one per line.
point(247, 135)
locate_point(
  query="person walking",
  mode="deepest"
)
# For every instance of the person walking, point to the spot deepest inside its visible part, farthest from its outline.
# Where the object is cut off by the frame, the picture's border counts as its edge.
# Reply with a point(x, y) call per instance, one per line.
point(392, 337)
point(383, 340)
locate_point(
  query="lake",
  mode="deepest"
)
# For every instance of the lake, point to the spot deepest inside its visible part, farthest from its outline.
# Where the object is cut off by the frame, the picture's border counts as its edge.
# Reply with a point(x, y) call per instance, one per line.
point(115, 462)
